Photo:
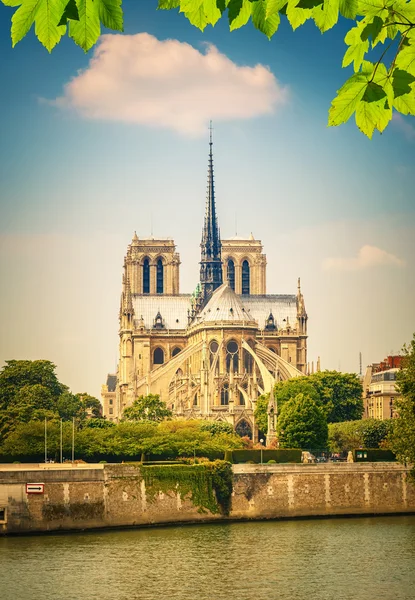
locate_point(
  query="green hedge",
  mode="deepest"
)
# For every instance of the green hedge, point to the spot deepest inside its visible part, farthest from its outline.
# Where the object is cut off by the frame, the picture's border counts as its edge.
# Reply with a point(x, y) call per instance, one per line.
point(284, 455)
point(373, 455)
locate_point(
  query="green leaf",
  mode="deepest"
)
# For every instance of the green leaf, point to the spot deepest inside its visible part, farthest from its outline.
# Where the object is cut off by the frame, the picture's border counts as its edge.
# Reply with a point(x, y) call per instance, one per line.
point(402, 82)
point(375, 30)
point(239, 12)
point(297, 16)
point(12, 2)
point(406, 59)
point(70, 12)
point(373, 111)
point(404, 91)
point(86, 31)
point(358, 48)
point(273, 7)
point(348, 97)
point(212, 12)
point(197, 17)
point(23, 19)
point(46, 15)
point(326, 16)
point(47, 18)
point(309, 3)
point(348, 8)
point(168, 4)
point(110, 14)
point(267, 25)
point(374, 8)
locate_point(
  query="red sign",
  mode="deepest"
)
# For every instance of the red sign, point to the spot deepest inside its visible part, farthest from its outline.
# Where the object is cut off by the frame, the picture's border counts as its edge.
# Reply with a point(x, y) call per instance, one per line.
point(35, 488)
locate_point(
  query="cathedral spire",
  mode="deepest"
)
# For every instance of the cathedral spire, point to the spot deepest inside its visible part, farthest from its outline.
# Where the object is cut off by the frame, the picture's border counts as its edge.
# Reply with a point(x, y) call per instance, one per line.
point(211, 262)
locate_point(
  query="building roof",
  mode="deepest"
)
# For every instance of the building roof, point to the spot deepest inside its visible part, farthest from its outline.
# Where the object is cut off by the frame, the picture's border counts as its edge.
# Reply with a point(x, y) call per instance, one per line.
point(225, 305)
point(281, 307)
point(173, 309)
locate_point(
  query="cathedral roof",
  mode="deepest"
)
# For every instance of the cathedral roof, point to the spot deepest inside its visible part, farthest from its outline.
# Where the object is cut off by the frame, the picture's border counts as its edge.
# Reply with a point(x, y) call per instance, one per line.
point(225, 305)
point(282, 306)
point(173, 309)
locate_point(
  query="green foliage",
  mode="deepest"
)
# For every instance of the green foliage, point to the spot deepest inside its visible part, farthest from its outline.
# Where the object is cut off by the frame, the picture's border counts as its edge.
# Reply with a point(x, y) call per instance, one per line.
point(215, 427)
point(340, 394)
point(260, 412)
point(147, 408)
point(302, 424)
point(369, 433)
point(402, 438)
point(19, 373)
point(371, 93)
point(31, 391)
point(208, 486)
point(127, 440)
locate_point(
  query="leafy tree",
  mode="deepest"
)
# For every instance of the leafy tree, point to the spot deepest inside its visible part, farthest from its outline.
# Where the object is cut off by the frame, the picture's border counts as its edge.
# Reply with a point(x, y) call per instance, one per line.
point(302, 424)
point(215, 427)
point(147, 408)
point(366, 433)
point(90, 404)
point(402, 438)
point(28, 440)
point(340, 393)
point(371, 94)
point(17, 374)
point(69, 406)
point(98, 423)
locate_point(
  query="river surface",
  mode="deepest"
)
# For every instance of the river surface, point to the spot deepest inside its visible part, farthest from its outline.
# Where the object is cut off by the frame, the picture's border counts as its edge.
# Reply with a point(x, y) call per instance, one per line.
point(336, 559)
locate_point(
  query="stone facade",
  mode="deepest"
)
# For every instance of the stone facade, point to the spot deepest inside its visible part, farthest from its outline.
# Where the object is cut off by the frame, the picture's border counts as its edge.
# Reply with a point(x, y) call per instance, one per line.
point(209, 354)
point(98, 496)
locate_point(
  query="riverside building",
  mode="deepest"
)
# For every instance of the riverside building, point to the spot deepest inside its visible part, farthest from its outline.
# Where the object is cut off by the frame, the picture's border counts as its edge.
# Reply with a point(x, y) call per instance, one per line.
point(208, 354)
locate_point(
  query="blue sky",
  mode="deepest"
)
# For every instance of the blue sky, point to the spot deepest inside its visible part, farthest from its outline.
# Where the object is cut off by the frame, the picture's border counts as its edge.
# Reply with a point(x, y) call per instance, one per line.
point(74, 189)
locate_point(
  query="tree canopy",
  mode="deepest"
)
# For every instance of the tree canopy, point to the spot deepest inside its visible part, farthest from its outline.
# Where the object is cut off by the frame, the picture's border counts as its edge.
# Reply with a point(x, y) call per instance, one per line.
point(123, 441)
point(147, 408)
point(31, 391)
point(339, 394)
point(302, 424)
point(380, 42)
point(402, 438)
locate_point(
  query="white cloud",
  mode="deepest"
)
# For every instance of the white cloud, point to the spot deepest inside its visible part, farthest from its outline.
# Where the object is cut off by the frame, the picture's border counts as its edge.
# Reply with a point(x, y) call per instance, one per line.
point(139, 79)
point(367, 257)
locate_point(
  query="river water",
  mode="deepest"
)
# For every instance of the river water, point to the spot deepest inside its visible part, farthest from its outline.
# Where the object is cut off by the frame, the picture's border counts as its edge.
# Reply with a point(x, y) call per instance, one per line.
point(336, 559)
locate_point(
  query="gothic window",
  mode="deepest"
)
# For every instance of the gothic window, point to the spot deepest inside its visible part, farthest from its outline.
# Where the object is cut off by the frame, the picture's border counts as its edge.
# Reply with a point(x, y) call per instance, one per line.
point(160, 277)
point(245, 278)
point(158, 356)
point(241, 399)
point(146, 276)
point(213, 347)
point(231, 274)
point(243, 429)
point(176, 351)
point(224, 395)
point(248, 361)
point(232, 356)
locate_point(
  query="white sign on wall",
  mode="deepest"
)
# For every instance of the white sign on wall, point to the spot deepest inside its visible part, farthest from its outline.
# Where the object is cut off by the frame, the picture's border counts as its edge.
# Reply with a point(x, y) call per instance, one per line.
point(35, 488)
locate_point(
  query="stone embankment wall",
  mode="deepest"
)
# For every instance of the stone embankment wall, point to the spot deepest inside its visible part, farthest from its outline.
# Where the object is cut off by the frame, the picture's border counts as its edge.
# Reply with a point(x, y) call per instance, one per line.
point(98, 496)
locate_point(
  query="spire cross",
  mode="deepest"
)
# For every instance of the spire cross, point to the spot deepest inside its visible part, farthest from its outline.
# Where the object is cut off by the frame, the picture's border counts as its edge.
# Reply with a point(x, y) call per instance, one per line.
point(210, 134)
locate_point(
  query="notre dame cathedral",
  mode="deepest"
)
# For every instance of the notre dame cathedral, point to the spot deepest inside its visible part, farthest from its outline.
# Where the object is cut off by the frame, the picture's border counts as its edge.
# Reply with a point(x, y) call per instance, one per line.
point(209, 354)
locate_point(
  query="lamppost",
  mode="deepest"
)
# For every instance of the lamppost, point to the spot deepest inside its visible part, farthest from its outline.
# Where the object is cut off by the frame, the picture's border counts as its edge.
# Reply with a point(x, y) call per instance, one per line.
point(262, 441)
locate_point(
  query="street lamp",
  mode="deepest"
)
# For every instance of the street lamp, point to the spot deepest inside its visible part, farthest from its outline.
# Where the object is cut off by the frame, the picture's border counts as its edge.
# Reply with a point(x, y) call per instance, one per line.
point(262, 441)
